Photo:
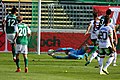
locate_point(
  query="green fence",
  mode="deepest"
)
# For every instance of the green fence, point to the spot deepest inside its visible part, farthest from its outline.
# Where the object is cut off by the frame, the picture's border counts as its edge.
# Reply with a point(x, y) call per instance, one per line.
point(34, 23)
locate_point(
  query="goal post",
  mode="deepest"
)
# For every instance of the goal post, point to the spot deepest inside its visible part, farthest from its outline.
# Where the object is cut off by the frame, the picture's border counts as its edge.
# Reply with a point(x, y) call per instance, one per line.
point(39, 26)
point(36, 22)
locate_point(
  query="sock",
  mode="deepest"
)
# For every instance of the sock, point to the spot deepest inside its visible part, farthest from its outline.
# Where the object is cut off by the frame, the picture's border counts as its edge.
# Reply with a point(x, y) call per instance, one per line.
point(26, 62)
point(98, 59)
point(101, 64)
point(13, 50)
point(108, 62)
point(115, 58)
point(93, 56)
point(17, 63)
point(86, 56)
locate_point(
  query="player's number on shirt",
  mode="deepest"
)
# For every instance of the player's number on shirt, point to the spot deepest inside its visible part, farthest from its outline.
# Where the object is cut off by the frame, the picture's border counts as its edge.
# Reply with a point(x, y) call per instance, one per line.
point(103, 35)
point(11, 22)
point(22, 32)
point(102, 21)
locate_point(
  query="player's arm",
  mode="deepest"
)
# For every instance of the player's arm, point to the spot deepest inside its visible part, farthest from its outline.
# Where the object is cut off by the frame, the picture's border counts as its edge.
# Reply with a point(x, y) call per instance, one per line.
point(115, 35)
point(16, 32)
point(111, 41)
point(88, 29)
point(3, 23)
point(29, 31)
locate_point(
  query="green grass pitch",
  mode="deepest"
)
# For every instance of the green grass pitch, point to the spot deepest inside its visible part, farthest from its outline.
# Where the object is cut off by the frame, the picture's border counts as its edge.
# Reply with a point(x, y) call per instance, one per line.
point(44, 67)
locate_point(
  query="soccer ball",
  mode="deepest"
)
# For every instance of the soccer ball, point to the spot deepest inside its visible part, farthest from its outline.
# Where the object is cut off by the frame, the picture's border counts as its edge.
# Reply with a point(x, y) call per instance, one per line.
point(51, 50)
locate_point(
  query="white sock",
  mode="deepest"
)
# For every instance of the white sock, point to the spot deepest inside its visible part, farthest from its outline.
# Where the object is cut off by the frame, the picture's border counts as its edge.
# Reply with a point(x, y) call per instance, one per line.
point(115, 58)
point(98, 59)
point(101, 64)
point(108, 62)
point(93, 56)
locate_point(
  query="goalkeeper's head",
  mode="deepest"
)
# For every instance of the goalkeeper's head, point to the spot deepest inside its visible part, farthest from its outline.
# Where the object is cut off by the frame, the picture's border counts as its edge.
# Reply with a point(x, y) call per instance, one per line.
point(19, 19)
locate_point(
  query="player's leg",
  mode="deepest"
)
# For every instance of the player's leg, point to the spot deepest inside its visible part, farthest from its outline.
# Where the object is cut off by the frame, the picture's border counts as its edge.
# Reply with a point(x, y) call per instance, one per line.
point(73, 55)
point(109, 61)
point(18, 63)
point(86, 56)
point(91, 58)
point(115, 59)
point(13, 51)
point(94, 54)
point(18, 50)
point(26, 62)
point(24, 51)
point(10, 37)
point(115, 56)
point(102, 56)
point(101, 65)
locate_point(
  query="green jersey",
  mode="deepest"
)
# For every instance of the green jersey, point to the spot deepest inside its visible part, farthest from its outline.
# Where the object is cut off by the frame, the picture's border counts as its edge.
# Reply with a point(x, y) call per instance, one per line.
point(11, 21)
point(23, 30)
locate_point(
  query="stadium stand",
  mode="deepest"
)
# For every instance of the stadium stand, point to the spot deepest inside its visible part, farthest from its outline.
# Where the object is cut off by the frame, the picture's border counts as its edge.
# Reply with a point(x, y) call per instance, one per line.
point(54, 14)
point(25, 10)
point(1, 15)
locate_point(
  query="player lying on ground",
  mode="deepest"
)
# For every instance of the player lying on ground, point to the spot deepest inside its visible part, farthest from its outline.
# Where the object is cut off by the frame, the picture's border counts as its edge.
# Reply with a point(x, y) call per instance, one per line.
point(71, 53)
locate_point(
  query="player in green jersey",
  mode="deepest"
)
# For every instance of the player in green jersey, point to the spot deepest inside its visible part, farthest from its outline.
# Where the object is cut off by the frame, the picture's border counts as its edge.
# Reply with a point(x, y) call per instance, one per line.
point(10, 21)
point(21, 38)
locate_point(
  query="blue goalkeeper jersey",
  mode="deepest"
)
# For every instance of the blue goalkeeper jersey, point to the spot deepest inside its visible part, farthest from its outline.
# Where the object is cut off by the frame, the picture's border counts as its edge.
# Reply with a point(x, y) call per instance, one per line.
point(64, 49)
point(73, 51)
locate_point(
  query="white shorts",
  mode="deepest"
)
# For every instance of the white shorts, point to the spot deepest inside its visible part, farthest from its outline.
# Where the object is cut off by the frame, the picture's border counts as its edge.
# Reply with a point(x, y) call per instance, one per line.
point(10, 37)
point(21, 49)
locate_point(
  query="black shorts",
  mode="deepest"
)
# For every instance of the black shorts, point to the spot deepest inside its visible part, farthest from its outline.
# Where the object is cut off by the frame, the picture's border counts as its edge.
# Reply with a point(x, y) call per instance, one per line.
point(94, 41)
point(105, 51)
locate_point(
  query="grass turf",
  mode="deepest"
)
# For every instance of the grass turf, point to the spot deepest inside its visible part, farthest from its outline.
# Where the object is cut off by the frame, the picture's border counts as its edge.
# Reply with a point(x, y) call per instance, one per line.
point(44, 67)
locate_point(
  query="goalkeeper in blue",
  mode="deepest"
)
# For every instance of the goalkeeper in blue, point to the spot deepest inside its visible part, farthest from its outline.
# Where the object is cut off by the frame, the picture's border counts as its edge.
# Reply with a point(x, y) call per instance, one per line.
point(71, 53)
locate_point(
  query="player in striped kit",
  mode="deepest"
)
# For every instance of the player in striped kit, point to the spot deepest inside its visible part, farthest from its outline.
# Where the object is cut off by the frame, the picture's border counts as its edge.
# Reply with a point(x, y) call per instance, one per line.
point(94, 26)
point(106, 45)
point(102, 19)
point(21, 37)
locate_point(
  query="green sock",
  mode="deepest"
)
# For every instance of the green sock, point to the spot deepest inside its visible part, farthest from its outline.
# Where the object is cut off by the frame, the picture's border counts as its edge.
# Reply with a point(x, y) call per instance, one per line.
point(13, 50)
point(26, 62)
point(17, 63)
